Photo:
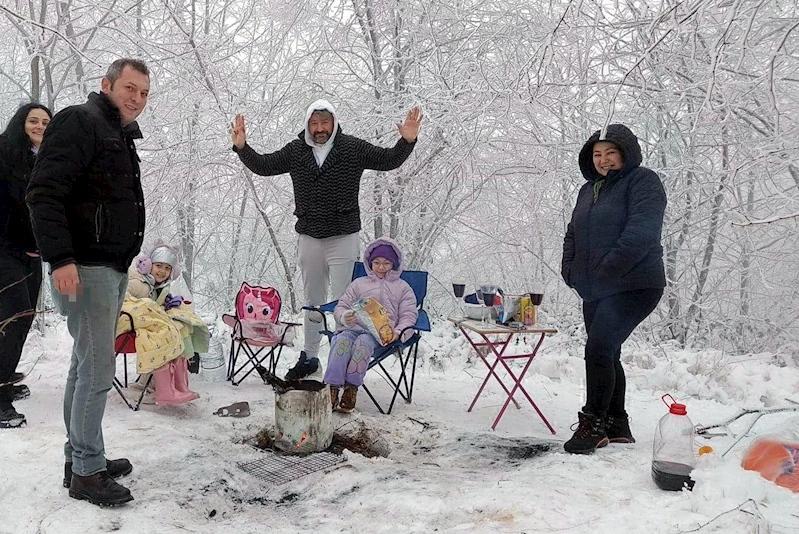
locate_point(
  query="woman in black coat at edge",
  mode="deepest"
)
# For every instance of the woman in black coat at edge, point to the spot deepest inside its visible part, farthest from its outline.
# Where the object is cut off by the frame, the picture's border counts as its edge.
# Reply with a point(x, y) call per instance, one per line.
point(20, 265)
point(612, 256)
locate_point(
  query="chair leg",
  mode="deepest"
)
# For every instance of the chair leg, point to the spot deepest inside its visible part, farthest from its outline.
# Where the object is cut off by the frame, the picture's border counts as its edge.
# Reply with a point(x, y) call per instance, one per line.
point(231, 360)
point(125, 359)
point(402, 379)
point(143, 393)
point(413, 372)
point(118, 386)
point(403, 375)
point(374, 401)
point(252, 361)
point(275, 359)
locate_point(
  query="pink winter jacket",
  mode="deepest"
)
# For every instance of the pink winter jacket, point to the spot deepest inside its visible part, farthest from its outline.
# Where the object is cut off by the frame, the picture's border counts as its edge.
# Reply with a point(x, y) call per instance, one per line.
point(392, 292)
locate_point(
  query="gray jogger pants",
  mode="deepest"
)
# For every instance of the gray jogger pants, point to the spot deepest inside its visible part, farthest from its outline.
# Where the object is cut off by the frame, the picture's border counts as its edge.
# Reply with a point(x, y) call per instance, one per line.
point(324, 262)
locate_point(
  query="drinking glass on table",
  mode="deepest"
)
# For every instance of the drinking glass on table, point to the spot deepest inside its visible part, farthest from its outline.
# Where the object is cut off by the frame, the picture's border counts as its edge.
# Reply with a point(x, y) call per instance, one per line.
point(489, 295)
point(458, 289)
point(536, 296)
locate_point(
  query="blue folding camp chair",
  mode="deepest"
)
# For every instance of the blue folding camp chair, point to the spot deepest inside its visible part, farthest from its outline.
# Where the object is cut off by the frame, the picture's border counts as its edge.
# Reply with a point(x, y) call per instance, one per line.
point(406, 351)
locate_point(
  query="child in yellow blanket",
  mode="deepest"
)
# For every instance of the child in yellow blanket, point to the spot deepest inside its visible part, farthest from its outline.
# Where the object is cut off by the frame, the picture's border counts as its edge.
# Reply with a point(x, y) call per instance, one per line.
point(167, 330)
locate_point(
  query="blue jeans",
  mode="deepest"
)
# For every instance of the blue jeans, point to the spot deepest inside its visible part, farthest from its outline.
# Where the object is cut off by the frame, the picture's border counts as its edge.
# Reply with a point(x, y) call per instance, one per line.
point(91, 319)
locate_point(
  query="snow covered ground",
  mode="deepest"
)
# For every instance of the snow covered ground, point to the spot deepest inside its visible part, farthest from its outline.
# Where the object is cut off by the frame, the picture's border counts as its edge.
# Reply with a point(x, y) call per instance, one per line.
point(447, 471)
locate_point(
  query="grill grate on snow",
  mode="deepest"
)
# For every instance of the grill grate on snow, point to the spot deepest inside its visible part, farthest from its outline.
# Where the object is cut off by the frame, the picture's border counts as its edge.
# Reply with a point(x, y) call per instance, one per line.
point(278, 468)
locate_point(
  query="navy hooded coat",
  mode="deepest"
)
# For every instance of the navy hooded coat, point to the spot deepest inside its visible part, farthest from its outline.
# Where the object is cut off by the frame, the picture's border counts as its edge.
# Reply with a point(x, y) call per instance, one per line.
point(613, 244)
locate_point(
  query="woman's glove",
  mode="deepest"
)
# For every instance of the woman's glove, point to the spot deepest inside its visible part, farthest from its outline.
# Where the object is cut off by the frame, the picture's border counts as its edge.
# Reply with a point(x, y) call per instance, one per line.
point(171, 301)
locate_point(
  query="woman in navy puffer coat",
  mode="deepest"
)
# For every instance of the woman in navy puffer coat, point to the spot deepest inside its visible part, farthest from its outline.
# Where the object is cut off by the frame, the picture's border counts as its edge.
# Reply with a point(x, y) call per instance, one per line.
point(612, 256)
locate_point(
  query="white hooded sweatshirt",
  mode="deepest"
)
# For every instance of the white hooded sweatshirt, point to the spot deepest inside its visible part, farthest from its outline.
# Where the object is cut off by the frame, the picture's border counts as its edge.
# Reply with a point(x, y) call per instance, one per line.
point(320, 152)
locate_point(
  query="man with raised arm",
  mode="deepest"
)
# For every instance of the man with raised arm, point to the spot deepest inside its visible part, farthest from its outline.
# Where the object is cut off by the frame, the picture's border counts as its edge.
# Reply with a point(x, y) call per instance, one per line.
point(325, 166)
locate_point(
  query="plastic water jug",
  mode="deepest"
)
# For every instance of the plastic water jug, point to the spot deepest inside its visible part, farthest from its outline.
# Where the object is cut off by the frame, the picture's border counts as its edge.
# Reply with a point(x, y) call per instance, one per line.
point(212, 363)
point(673, 456)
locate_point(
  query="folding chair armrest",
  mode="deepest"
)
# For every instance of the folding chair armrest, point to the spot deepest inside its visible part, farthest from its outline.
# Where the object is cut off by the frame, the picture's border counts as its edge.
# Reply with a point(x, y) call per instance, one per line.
point(402, 332)
point(422, 324)
point(321, 310)
point(130, 318)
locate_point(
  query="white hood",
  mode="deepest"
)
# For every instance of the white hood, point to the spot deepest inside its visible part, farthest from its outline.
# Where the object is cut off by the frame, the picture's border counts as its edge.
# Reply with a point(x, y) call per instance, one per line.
point(320, 152)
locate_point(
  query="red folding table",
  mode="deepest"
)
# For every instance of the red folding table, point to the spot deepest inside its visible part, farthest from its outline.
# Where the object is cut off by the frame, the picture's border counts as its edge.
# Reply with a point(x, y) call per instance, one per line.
point(477, 334)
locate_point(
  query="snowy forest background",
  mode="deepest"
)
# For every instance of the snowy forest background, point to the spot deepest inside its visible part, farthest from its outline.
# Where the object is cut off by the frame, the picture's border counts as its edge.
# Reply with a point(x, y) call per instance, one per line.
point(510, 90)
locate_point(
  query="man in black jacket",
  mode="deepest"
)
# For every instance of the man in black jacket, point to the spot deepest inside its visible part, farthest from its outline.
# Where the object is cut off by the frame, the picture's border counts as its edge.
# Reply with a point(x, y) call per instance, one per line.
point(87, 210)
point(325, 166)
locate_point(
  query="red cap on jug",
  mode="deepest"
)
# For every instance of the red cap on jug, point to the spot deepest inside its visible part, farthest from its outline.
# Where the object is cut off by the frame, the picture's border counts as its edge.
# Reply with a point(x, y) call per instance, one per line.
point(675, 407)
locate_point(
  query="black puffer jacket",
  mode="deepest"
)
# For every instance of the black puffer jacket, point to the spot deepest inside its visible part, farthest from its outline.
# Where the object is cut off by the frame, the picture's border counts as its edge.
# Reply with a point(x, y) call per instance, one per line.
point(16, 235)
point(326, 198)
point(613, 245)
point(85, 194)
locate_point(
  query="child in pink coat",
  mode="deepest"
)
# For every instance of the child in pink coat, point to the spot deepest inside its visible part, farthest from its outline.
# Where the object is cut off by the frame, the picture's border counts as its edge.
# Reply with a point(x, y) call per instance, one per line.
point(352, 346)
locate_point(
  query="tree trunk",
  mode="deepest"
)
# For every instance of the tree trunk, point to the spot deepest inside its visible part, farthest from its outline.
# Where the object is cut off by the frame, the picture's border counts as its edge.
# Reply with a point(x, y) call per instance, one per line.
point(273, 237)
point(231, 288)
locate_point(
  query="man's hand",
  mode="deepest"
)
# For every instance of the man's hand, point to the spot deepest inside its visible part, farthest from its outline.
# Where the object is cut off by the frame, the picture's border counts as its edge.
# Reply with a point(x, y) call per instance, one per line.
point(66, 279)
point(409, 130)
point(238, 132)
point(349, 318)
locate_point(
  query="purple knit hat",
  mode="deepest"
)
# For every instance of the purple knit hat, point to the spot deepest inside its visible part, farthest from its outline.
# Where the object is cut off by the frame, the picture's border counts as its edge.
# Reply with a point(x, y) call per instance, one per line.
point(387, 252)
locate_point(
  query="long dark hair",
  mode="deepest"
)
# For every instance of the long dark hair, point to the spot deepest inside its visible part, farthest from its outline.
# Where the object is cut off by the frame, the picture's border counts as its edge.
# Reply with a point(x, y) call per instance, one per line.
point(19, 144)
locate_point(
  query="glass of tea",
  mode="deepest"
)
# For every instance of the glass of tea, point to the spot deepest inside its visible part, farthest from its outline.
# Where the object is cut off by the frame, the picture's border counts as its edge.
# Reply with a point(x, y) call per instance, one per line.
point(489, 297)
point(458, 288)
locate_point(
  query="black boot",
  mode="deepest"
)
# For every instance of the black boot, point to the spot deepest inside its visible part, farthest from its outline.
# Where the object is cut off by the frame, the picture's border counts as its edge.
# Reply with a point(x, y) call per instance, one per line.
point(116, 468)
point(589, 436)
point(9, 417)
point(21, 391)
point(194, 363)
point(99, 489)
point(617, 428)
point(305, 366)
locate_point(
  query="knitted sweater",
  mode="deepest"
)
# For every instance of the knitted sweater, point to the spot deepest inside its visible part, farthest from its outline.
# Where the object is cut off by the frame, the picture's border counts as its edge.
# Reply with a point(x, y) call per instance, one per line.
point(326, 197)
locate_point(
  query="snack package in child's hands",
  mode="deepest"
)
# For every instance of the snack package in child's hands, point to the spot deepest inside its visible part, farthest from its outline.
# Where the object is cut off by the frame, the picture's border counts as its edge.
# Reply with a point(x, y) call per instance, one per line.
point(374, 317)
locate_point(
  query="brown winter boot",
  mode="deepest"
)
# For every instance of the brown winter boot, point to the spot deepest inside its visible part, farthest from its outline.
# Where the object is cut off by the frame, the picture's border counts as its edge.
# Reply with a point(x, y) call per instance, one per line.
point(334, 396)
point(348, 399)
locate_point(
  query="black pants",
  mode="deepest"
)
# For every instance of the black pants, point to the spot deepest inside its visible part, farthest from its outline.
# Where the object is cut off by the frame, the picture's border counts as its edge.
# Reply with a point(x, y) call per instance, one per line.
point(20, 280)
point(609, 322)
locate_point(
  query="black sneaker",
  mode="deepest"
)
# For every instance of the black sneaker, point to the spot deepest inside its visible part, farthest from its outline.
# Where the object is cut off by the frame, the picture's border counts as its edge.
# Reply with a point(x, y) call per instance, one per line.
point(20, 392)
point(9, 417)
point(305, 366)
point(99, 489)
point(116, 468)
point(589, 436)
point(194, 363)
point(617, 428)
